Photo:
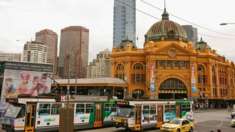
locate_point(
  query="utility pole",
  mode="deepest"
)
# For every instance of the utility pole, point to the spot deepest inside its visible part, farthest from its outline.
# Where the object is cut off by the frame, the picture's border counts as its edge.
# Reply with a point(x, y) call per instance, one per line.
point(66, 113)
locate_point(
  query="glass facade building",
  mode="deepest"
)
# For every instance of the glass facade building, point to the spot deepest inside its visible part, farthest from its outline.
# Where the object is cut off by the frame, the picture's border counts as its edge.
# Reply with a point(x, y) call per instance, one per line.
point(124, 22)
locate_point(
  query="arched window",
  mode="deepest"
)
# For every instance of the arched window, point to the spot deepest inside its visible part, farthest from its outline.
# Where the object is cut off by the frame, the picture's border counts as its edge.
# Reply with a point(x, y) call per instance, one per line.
point(214, 81)
point(171, 34)
point(120, 71)
point(138, 73)
point(138, 93)
point(201, 75)
point(213, 76)
point(172, 83)
point(120, 67)
point(223, 81)
point(138, 66)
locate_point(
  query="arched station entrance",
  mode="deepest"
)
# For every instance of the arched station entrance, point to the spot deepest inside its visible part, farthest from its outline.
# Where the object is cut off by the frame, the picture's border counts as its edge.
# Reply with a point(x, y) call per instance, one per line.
point(172, 88)
point(138, 93)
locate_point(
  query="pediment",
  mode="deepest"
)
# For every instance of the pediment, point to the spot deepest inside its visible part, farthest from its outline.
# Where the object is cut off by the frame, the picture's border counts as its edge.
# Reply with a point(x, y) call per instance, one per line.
point(174, 49)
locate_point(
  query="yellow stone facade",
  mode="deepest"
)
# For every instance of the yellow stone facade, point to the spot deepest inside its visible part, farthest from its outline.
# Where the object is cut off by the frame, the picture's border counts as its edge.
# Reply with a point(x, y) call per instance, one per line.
point(169, 66)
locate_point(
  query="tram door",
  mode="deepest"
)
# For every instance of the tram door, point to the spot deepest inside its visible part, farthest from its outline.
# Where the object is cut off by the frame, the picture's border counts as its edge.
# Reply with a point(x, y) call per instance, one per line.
point(30, 117)
point(98, 115)
point(138, 117)
point(178, 111)
point(159, 115)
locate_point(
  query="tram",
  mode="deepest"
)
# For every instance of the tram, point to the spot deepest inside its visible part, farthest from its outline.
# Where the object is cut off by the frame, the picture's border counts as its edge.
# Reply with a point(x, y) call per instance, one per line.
point(139, 115)
point(42, 114)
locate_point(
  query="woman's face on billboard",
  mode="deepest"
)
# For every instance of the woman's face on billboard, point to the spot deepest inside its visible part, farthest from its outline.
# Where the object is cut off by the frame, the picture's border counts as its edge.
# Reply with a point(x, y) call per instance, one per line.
point(36, 80)
point(24, 77)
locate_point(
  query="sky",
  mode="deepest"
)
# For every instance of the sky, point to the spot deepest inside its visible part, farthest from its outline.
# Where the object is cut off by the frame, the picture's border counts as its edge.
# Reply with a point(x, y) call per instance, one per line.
point(21, 19)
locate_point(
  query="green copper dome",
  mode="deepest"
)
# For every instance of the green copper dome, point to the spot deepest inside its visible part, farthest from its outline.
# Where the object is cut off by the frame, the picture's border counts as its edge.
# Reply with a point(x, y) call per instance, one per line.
point(166, 29)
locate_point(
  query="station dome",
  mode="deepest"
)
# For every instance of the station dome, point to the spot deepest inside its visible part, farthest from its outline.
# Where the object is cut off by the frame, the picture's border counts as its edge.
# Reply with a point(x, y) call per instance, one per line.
point(166, 29)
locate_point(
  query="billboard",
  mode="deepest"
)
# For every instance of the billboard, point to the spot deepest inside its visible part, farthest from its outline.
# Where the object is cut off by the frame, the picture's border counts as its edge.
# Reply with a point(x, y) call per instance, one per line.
point(152, 78)
point(193, 81)
point(22, 82)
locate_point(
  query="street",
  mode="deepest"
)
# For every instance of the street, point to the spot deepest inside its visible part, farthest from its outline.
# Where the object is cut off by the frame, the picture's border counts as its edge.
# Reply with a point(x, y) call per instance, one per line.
point(206, 121)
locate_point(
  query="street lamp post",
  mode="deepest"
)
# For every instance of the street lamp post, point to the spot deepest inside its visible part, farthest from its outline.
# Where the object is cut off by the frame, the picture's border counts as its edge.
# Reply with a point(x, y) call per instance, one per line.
point(225, 23)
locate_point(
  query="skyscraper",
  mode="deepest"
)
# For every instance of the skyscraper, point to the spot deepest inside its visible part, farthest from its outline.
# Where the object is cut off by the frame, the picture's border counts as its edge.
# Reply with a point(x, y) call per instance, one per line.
point(191, 33)
point(35, 52)
point(73, 56)
point(124, 21)
point(49, 38)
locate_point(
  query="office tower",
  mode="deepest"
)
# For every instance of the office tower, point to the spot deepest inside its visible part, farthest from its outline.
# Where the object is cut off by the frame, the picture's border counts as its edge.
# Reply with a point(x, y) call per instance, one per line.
point(124, 22)
point(35, 52)
point(49, 38)
point(73, 56)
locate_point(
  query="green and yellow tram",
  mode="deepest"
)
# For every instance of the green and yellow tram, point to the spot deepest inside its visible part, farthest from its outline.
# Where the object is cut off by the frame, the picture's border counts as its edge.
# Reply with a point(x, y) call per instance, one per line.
point(42, 114)
point(142, 114)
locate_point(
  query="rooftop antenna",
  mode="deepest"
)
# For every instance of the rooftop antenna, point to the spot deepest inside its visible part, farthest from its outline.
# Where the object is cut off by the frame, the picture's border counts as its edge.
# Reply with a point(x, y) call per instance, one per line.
point(164, 4)
point(165, 15)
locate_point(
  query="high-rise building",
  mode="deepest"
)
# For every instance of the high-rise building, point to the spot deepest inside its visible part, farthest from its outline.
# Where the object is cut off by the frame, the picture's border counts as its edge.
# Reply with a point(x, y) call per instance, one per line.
point(35, 52)
point(49, 38)
point(10, 57)
point(191, 33)
point(73, 56)
point(101, 66)
point(124, 22)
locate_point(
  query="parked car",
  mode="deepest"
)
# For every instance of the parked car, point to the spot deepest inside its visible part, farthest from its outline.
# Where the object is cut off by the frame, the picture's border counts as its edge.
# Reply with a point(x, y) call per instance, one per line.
point(178, 125)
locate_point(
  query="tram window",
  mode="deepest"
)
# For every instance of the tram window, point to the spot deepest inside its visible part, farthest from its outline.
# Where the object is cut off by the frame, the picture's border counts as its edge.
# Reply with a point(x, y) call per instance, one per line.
point(185, 107)
point(89, 108)
point(22, 112)
point(107, 107)
point(152, 109)
point(146, 109)
point(169, 108)
point(146, 112)
point(114, 108)
point(153, 112)
point(44, 109)
point(110, 107)
point(80, 108)
point(55, 109)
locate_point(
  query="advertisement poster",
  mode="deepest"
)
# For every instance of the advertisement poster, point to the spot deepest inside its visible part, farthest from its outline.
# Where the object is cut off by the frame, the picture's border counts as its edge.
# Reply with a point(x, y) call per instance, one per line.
point(193, 81)
point(19, 82)
point(152, 81)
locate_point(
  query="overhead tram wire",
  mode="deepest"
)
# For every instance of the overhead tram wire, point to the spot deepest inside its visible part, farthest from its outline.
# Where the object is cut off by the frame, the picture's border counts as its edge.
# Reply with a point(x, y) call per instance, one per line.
point(214, 36)
point(205, 28)
point(149, 15)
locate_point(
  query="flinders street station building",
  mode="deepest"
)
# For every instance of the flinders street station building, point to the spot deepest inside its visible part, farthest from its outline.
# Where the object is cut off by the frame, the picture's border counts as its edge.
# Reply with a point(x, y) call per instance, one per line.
point(170, 67)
